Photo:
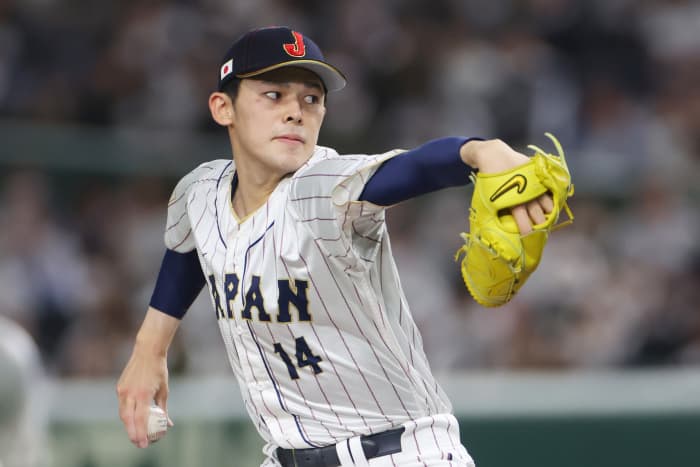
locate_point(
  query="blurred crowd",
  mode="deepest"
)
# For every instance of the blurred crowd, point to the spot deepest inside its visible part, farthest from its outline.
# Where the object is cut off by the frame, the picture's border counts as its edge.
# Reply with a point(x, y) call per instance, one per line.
point(618, 81)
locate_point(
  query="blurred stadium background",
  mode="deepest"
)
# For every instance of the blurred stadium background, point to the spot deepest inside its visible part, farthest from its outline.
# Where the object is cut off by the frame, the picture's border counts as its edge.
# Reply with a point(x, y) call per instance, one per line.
point(596, 362)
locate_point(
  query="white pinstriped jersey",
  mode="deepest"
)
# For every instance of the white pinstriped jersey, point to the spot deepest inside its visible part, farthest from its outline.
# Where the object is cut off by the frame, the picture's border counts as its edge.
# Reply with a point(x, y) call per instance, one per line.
point(308, 301)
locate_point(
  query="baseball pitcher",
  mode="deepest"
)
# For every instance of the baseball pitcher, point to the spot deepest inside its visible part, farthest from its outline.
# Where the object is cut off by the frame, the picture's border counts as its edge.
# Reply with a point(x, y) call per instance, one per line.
point(290, 240)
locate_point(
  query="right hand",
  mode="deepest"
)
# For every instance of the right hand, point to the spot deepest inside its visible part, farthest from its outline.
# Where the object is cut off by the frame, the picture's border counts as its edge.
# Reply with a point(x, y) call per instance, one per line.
point(144, 380)
point(145, 377)
point(493, 156)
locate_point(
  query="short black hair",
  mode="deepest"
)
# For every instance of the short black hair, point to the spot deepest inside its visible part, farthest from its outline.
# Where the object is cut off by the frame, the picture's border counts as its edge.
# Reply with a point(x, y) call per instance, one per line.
point(231, 88)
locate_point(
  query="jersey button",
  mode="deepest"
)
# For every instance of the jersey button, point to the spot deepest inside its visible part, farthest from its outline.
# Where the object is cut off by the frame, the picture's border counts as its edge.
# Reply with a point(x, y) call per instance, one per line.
point(262, 386)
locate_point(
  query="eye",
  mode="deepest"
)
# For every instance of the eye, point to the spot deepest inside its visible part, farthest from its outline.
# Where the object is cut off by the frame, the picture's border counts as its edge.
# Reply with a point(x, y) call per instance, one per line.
point(312, 99)
point(274, 95)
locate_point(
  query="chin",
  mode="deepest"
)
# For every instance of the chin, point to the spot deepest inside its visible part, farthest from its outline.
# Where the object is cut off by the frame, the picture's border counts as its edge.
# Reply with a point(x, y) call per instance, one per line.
point(299, 155)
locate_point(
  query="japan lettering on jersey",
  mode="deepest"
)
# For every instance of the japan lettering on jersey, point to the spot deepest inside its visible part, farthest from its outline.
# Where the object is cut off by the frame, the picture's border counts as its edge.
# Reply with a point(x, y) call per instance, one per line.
point(308, 301)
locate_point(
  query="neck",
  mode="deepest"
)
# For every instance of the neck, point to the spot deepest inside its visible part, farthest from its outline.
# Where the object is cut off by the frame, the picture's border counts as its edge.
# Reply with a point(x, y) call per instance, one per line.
point(253, 189)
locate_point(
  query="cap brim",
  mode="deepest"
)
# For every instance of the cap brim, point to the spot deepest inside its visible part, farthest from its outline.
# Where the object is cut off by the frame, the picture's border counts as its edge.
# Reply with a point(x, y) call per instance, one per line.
point(332, 78)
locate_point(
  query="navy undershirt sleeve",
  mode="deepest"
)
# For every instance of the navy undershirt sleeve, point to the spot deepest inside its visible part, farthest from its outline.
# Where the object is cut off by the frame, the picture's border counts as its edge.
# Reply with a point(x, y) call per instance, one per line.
point(179, 282)
point(427, 168)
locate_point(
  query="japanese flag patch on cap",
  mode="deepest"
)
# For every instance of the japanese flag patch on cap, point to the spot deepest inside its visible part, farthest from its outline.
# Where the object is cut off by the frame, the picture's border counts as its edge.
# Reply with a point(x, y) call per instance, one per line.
point(226, 69)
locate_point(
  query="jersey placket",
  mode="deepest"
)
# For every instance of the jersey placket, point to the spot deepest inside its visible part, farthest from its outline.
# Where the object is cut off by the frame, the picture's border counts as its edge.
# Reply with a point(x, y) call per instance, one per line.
point(236, 325)
point(258, 375)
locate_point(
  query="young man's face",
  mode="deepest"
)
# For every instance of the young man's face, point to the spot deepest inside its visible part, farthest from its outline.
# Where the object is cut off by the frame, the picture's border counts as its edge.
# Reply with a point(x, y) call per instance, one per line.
point(277, 117)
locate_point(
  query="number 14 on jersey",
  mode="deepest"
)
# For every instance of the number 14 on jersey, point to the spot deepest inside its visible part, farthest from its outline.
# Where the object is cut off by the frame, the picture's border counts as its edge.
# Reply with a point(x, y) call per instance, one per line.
point(303, 355)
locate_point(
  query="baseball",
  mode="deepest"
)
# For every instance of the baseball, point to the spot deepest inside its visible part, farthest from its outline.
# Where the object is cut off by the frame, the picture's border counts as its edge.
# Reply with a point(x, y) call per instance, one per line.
point(157, 424)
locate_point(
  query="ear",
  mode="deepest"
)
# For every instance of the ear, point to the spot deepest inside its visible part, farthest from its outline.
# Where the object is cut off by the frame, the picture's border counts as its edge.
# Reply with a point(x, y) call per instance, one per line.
point(221, 108)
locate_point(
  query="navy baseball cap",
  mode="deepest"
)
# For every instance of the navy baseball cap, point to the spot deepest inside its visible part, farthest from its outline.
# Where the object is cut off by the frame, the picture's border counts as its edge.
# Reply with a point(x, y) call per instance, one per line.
point(261, 50)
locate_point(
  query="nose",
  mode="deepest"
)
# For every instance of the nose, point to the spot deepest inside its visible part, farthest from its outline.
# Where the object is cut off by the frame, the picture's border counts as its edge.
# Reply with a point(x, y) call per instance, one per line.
point(293, 112)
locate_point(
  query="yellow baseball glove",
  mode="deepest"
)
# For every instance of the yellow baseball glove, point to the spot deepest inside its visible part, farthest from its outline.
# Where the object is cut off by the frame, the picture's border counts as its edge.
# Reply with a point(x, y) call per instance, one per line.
point(496, 259)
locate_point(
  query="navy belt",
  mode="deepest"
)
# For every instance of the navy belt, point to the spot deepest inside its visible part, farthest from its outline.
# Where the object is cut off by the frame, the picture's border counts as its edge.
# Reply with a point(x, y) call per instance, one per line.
point(376, 445)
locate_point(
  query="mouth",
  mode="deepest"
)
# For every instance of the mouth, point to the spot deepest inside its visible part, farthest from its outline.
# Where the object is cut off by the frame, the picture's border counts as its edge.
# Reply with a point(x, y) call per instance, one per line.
point(290, 138)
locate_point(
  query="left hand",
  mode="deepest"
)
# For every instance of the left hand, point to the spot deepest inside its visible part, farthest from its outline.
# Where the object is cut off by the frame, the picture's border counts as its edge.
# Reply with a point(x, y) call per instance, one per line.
point(493, 156)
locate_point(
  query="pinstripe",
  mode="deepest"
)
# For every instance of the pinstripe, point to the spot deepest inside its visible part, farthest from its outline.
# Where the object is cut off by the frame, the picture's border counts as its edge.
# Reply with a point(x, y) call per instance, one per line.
point(429, 391)
point(359, 328)
point(416, 337)
point(260, 424)
point(281, 246)
point(348, 207)
point(255, 379)
point(354, 230)
point(346, 189)
point(312, 175)
point(189, 232)
point(335, 239)
point(347, 393)
point(250, 395)
point(320, 387)
point(311, 410)
point(267, 220)
point(414, 426)
point(393, 387)
point(216, 210)
point(206, 240)
point(381, 315)
point(432, 430)
point(186, 190)
point(307, 198)
point(172, 226)
point(413, 340)
point(432, 409)
point(247, 252)
point(263, 356)
point(332, 219)
point(340, 335)
point(345, 218)
point(420, 453)
point(449, 426)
